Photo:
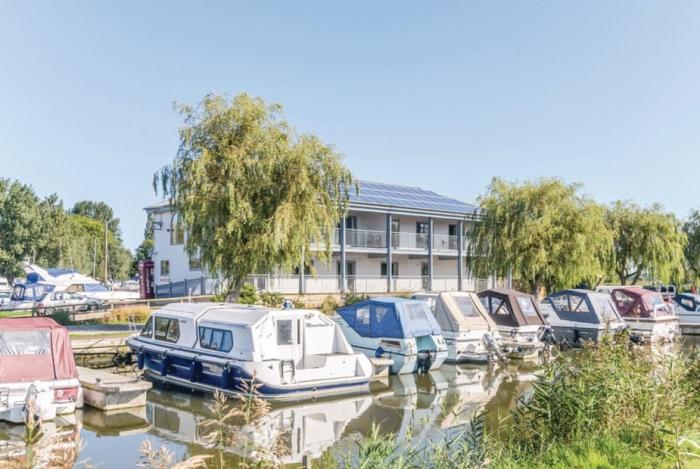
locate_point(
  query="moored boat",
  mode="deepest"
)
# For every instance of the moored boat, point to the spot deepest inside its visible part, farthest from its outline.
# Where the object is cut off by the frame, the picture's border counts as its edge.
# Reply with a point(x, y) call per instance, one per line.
point(578, 315)
point(650, 318)
point(470, 334)
point(524, 330)
point(688, 311)
point(37, 370)
point(290, 354)
point(404, 330)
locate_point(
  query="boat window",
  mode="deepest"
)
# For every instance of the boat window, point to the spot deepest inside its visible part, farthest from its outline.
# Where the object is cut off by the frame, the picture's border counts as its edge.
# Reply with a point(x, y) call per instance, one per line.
point(25, 342)
point(606, 309)
point(94, 287)
point(215, 339)
point(284, 332)
point(415, 311)
point(622, 300)
point(362, 317)
point(466, 306)
point(380, 312)
point(496, 305)
point(527, 306)
point(688, 303)
point(76, 287)
point(147, 330)
point(167, 329)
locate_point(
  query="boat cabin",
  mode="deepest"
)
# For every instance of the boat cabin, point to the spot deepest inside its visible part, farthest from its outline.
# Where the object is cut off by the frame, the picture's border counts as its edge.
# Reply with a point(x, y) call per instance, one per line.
point(458, 311)
point(688, 301)
point(396, 318)
point(580, 306)
point(637, 302)
point(36, 359)
point(511, 308)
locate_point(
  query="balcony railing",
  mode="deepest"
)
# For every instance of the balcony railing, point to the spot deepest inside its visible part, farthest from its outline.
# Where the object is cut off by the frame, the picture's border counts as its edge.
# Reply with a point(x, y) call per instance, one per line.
point(400, 240)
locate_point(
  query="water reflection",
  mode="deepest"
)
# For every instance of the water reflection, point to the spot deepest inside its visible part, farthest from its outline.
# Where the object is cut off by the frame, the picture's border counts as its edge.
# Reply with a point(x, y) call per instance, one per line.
point(59, 440)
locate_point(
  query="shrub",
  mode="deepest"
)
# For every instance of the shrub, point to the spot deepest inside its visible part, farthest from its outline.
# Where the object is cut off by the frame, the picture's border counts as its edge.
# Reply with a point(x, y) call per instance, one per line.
point(272, 299)
point(248, 295)
point(62, 317)
point(298, 304)
point(351, 299)
point(137, 313)
point(329, 305)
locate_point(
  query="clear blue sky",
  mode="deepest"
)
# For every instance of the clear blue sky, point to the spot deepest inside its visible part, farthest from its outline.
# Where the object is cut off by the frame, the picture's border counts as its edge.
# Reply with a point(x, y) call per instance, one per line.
point(443, 95)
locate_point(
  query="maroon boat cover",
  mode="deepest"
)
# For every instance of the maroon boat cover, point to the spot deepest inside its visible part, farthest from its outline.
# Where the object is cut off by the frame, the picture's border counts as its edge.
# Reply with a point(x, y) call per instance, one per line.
point(35, 349)
point(636, 301)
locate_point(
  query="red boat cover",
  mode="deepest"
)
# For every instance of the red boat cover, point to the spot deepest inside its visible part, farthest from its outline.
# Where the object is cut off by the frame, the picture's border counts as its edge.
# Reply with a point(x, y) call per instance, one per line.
point(35, 349)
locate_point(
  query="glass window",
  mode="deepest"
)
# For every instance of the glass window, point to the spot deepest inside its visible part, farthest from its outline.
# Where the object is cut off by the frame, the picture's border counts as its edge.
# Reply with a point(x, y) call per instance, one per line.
point(25, 342)
point(688, 303)
point(496, 305)
point(177, 231)
point(164, 268)
point(415, 311)
point(362, 317)
point(195, 263)
point(380, 312)
point(167, 329)
point(622, 300)
point(284, 332)
point(215, 339)
point(147, 330)
point(560, 303)
point(465, 305)
point(527, 306)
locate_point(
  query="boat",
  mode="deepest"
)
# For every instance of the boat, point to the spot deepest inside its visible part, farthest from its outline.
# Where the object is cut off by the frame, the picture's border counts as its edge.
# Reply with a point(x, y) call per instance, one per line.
point(524, 330)
point(40, 281)
point(397, 328)
point(688, 311)
point(578, 315)
point(37, 370)
point(470, 334)
point(290, 354)
point(650, 318)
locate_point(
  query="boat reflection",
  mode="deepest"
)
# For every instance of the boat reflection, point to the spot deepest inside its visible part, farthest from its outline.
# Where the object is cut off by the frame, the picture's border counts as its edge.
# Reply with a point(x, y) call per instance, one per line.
point(115, 423)
point(57, 445)
point(287, 435)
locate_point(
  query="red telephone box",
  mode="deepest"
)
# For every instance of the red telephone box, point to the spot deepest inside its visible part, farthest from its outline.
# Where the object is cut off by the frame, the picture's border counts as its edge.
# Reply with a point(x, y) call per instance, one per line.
point(146, 286)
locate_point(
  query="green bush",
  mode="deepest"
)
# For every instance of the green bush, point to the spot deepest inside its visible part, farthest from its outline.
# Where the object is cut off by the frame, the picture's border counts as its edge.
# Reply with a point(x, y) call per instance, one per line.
point(329, 305)
point(271, 299)
point(62, 317)
point(351, 299)
point(298, 304)
point(248, 295)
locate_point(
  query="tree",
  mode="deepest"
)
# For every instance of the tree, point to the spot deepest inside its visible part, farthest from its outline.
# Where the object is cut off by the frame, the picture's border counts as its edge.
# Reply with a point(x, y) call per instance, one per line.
point(98, 211)
point(146, 248)
point(545, 231)
point(691, 228)
point(646, 241)
point(252, 194)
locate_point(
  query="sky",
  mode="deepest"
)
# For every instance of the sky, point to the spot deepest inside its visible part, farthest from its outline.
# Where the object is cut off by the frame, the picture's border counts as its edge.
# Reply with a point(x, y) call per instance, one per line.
point(441, 95)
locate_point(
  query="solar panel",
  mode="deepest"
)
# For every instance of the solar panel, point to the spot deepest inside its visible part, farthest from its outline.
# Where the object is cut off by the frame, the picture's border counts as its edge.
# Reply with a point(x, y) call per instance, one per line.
point(375, 193)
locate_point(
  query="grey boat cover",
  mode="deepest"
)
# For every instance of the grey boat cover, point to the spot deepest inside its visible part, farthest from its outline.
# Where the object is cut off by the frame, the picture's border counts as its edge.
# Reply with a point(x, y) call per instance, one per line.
point(458, 311)
point(582, 306)
point(512, 308)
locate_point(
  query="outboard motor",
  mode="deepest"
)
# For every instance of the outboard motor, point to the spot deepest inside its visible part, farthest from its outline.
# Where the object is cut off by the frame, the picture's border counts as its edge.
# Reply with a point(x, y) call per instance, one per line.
point(425, 360)
point(39, 400)
point(546, 335)
point(492, 346)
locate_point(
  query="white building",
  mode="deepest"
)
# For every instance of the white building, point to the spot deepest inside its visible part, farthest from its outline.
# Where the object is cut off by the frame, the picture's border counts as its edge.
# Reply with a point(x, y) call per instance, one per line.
point(427, 248)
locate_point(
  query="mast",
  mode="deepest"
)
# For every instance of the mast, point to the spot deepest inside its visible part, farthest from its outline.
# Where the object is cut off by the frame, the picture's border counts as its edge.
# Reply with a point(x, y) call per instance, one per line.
point(106, 252)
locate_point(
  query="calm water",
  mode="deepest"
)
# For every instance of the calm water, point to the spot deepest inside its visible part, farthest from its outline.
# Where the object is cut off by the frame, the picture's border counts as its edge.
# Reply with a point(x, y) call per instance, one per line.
point(417, 408)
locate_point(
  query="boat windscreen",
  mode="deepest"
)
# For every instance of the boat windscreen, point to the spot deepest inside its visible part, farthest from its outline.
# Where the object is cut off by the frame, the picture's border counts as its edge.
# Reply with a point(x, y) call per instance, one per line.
point(527, 306)
point(466, 307)
point(29, 342)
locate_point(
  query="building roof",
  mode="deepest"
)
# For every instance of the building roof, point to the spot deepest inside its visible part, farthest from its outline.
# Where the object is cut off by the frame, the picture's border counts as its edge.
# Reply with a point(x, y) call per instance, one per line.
point(391, 197)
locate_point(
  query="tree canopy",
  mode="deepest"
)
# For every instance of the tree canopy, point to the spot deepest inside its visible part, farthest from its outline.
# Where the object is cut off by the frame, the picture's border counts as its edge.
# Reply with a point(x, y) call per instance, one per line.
point(98, 211)
point(251, 192)
point(545, 231)
point(691, 228)
point(647, 241)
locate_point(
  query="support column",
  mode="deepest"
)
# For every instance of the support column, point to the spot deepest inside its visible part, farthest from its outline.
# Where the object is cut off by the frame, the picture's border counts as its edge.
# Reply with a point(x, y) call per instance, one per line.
point(389, 260)
point(460, 254)
point(343, 266)
point(301, 274)
point(430, 254)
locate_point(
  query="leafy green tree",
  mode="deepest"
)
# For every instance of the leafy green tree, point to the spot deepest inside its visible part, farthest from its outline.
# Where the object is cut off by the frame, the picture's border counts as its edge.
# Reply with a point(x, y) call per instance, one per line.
point(146, 248)
point(98, 211)
point(252, 194)
point(545, 231)
point(691, 228)
point(646, 241)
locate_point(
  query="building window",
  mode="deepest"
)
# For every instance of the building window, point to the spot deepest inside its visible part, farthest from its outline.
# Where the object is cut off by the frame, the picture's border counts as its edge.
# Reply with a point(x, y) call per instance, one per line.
point(195, 263)
point(177, 231)
point(394, 269)
point(164, 268)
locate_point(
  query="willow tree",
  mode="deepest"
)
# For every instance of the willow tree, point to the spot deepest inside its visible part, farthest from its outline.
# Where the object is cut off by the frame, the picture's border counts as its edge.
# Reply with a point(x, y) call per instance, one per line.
point(691, 228)
point(647, 241)
point(252, 193)
point(546, 233)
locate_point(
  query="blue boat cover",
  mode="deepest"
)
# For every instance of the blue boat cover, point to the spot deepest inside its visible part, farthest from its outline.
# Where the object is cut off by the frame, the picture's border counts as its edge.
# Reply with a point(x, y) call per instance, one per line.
point(395, 318)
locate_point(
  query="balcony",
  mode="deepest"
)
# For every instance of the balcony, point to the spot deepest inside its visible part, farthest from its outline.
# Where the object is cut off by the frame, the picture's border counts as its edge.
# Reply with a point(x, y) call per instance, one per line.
point(400, 240)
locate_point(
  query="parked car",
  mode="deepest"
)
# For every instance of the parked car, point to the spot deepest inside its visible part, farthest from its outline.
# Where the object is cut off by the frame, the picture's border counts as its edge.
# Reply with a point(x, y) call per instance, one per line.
point(70, 301)
point(4, 297)
point(4, 285)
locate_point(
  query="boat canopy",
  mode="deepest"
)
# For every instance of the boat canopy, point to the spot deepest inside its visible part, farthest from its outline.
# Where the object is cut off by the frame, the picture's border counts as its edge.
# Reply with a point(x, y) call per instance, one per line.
point(457, 311)
point(582, 306)
point(688, 301)
point(34, 349)
point(512, 308)
point(396, 318)
point(640, 303)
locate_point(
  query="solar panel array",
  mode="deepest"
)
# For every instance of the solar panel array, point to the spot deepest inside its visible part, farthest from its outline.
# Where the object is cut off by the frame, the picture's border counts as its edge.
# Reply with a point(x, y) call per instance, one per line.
point(376, 193)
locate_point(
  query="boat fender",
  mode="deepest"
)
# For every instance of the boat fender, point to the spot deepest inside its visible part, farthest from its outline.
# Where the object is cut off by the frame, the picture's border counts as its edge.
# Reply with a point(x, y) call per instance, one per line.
point(140, 359)
point(226, 374)
point(379, 352)
point(195, 369)
point(165, 363)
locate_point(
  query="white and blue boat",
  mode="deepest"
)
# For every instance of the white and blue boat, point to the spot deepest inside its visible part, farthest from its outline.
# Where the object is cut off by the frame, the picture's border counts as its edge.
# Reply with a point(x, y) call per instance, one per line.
point(403, 330)
point(291, 354)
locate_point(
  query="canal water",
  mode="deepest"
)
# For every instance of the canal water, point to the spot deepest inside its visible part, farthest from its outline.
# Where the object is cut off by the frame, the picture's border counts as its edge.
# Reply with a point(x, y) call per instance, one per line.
point(416, 408)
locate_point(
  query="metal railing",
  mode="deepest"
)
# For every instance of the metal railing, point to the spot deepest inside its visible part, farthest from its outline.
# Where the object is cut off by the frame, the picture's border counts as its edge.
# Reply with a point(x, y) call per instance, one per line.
point(376, 239)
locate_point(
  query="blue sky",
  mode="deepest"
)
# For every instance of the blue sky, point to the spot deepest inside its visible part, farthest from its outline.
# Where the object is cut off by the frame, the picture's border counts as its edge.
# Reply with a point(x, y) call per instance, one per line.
point(443, 95)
